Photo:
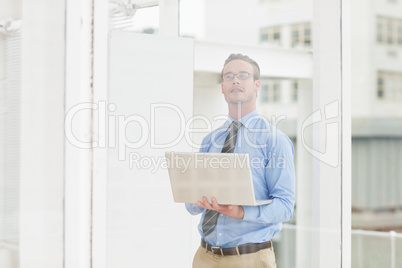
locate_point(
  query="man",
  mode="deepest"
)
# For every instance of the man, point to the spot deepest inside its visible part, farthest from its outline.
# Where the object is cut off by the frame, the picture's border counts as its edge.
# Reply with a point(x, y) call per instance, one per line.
point(240, 236)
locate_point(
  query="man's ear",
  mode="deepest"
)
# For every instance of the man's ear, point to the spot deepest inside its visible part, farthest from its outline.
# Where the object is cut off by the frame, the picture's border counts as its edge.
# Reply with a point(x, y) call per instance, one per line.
point(222, 87)
point(257, 85)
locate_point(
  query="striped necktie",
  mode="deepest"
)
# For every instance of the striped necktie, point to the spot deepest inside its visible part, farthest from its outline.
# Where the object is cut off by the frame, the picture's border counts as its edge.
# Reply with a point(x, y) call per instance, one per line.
point(211, 216)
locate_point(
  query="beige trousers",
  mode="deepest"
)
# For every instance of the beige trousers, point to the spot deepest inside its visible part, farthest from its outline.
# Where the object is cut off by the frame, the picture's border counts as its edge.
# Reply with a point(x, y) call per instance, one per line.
point(261, 259)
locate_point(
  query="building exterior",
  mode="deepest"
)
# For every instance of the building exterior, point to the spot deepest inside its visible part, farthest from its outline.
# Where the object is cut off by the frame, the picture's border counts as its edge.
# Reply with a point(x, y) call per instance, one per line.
point(286, 25)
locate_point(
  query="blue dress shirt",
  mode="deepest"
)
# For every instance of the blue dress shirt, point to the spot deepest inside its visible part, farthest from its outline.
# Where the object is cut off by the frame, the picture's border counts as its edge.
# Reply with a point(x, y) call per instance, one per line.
point(271, 160)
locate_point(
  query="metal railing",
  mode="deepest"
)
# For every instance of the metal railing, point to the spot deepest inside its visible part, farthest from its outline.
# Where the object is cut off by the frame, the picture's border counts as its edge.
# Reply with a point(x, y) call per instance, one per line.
point(369, 248)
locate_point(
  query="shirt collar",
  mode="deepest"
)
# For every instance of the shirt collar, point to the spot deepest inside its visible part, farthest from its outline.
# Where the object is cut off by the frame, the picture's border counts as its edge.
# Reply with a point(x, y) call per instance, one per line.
point(249, 120)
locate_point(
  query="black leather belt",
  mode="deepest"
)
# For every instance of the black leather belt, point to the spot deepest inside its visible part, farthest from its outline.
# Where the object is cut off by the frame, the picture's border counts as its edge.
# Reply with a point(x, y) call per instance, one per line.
point(242, 249)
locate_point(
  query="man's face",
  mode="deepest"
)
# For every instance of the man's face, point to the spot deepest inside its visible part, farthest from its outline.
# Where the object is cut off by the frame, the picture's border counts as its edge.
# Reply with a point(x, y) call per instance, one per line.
point(238, 90)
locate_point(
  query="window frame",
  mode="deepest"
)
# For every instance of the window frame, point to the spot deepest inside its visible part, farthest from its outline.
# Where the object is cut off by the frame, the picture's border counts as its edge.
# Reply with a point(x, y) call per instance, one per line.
point(299, 37)
point(269, 33)
point(389, 86)
point(389, 31)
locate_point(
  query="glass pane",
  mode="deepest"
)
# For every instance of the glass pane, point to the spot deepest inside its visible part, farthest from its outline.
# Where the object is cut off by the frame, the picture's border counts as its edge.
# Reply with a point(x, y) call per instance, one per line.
point(264, 37)
point(229, 29)
point(226, 28)
point(390, 31)
point(399, 34)
point(277, 93)
point(150, 100)
point(376, 142)
point(380, 30)
point(32, 100)
point(264, 93)
point(140, 16)
point(294, 91)
point(399, 88)
point(192, 18)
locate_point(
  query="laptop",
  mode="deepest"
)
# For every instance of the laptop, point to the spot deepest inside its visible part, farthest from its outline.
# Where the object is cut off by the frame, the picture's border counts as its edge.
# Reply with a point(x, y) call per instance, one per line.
point(225, 176)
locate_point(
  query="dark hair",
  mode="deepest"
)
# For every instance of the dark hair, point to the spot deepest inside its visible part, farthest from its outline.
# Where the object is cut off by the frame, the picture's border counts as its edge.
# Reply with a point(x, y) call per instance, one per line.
point(244, 58)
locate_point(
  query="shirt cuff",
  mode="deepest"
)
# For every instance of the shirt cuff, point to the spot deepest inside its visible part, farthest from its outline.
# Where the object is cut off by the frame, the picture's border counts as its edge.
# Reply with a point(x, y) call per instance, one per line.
point(251, 213)
point(194, 209)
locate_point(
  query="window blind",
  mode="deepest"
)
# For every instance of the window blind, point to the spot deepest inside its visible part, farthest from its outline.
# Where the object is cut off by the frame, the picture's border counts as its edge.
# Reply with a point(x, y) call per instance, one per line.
point(10, 92)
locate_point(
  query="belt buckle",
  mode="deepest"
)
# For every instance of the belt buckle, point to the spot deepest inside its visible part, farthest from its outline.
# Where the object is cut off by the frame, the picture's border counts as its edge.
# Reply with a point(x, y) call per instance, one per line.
point(213, 250)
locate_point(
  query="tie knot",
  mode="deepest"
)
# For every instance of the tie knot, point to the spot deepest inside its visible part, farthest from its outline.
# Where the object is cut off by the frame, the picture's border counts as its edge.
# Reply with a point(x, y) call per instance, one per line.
point(236, 125)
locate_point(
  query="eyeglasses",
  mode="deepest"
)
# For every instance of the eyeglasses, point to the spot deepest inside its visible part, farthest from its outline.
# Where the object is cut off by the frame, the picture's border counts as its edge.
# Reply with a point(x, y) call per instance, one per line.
point(240, 75)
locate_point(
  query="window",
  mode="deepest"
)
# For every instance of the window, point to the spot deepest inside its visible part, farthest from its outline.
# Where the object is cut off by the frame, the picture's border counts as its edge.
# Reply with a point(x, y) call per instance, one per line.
point(380, 87)
point(379, 30)
point(277, 93)
point(270, 35)
point(389, 31)
point(294, 91)
point(270, 91)
point(269, 1)
point(389, 85)
point(399, 86)
point(264, 93)
point(307, 36)
point(400, 33)
point(301, 35)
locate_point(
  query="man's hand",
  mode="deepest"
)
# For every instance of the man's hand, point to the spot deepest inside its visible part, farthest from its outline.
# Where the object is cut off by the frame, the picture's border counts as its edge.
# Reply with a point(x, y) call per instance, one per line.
point(228, 210)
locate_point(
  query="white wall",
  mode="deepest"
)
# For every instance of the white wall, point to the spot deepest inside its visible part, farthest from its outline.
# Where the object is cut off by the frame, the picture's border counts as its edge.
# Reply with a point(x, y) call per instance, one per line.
point(42, 134)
